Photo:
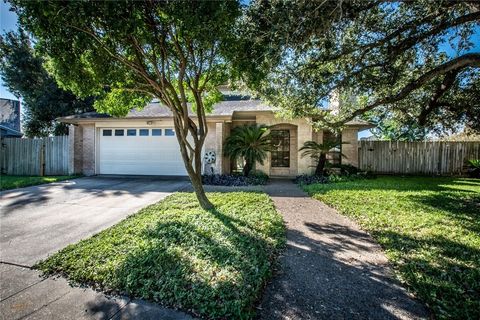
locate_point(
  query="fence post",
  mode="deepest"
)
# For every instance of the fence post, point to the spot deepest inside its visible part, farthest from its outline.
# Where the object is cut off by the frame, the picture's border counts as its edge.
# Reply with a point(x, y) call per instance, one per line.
point(3, 156)
point(42, 158)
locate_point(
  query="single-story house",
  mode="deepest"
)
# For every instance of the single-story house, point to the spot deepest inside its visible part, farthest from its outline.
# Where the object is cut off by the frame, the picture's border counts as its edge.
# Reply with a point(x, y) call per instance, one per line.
point(144, 142)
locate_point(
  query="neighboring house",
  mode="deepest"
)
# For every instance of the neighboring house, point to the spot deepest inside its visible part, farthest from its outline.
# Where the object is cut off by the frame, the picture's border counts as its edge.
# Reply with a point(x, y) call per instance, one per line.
point(144, 142)
point(10, 118)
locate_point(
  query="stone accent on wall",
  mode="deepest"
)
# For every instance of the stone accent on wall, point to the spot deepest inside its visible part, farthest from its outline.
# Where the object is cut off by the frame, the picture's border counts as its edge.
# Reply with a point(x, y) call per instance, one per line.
point(318, 136)
point(350, 146)
point(219, 136)
point(305, 164)
point(88, 161)
point(300, 131)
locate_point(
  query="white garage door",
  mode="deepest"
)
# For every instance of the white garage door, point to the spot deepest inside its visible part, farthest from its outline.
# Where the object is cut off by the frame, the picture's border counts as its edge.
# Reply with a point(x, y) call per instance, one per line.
point(140, 151)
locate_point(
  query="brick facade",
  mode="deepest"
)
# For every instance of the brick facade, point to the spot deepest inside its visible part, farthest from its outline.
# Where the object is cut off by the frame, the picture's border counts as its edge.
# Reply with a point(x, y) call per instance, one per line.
point(84, 136)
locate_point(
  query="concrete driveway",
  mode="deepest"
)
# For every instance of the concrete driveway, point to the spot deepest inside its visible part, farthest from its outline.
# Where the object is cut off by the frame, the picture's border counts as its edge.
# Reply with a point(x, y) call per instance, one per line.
point(40, 220)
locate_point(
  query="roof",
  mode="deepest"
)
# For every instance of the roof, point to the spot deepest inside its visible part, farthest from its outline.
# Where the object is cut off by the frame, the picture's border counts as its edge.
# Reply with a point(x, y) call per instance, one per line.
point(157, 110)
point(9, 132)
point(225, 108)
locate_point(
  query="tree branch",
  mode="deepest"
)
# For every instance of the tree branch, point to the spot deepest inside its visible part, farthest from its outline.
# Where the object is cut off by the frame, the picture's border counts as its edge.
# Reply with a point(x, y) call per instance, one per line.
point(457, 64)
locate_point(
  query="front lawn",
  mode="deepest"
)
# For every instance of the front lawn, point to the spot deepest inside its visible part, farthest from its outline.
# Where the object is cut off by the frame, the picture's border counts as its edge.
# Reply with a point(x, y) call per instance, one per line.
point(430, 230)
point(210, 263)
point(13, 182)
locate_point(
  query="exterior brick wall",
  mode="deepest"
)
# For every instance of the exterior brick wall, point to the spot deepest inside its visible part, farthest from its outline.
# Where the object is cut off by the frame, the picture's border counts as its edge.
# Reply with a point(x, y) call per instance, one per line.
point(88, 161)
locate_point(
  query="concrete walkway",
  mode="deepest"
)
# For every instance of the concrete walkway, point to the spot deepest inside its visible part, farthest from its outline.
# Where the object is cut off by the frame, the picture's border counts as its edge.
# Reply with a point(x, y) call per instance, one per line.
point(40, 220)
point(331, 269)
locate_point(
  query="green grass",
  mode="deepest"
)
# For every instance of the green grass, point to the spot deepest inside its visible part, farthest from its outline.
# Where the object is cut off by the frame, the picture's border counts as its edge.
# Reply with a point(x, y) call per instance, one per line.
point(210, 263)
point(13, 182)
point(430, 230)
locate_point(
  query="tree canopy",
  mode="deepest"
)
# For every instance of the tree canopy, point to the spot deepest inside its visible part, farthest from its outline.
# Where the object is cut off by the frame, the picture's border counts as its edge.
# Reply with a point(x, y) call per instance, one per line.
point(128, 52)
point(22, 71)
point(387, 60)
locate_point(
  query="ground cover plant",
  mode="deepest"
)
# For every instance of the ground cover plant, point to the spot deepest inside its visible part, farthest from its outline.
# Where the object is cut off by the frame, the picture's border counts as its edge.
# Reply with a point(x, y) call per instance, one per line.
point(13, 182)
point(430, 230)
point(254, 178)
point(210, 263)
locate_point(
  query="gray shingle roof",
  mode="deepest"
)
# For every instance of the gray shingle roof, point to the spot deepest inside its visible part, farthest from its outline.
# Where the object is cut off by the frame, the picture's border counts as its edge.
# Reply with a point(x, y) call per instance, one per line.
point(157, 110)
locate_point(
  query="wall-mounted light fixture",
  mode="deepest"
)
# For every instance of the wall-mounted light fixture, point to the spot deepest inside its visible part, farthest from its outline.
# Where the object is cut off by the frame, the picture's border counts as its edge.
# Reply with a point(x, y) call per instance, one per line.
point(149, 123)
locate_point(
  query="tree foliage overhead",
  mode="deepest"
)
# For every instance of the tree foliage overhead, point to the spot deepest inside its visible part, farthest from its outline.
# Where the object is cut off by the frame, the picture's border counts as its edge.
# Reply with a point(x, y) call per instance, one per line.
point(23, 73)
point(128, 52)
point(385, 58)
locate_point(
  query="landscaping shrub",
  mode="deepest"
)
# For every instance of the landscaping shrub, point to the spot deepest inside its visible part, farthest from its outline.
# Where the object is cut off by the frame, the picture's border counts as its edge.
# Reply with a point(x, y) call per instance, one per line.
point(474, 168)
point(236, 180)
point(212, 264)
point(332, 178)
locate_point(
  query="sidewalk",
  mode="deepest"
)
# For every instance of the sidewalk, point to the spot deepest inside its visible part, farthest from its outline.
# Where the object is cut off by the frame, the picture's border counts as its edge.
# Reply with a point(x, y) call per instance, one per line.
point(330, 269)
point(26, 295)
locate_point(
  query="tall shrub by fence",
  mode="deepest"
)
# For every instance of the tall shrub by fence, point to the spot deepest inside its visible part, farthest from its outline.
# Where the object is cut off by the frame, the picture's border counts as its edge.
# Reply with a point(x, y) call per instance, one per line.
point(426, 157)
point(46, 156)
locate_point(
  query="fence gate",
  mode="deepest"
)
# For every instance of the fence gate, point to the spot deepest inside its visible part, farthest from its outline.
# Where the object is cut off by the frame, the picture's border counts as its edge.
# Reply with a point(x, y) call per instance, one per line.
point(45, 156)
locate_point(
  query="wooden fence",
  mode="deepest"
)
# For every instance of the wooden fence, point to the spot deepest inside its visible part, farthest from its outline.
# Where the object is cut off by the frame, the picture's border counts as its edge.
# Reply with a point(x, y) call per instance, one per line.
point(36, 157)
point(428, 157)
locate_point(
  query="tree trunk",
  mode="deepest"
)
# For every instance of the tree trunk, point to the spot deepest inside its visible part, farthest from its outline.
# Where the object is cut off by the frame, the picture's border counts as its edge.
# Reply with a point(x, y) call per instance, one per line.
point(194, 170)
point(197, 185)
point(247, 168)
point(321, 164)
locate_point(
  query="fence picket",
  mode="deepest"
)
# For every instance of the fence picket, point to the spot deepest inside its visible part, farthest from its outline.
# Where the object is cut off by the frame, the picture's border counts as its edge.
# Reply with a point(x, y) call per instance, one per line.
point(426, 157)
point(24, 156)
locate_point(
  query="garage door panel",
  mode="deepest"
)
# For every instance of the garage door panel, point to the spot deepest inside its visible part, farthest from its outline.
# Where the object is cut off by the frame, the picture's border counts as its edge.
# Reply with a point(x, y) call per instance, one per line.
point(140, 155)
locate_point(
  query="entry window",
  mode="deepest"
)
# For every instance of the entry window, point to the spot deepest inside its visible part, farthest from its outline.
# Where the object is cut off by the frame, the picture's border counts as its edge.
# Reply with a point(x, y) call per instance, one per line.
point(280, 148)
point(143, 132)
point(169, 132)
point(131, 132)
point(156, 132)
point(107, 133)
point(119, 132)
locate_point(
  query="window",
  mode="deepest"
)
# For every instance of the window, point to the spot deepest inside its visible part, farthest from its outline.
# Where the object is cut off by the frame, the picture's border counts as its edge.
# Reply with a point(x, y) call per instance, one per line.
point(119, 132)
point(107, 132)
point(281, 148)
point(156, 132)
point(143, 132)
point(169, 132)
point(131, 132)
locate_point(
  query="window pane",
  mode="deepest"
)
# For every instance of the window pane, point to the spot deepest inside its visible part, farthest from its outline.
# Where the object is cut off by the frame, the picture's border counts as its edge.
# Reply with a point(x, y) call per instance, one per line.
point(143, 132)
point(156, 132)
point(131, 132)
point(169, 132)
point(107, 133)
point(281, 148)
point(119, 132)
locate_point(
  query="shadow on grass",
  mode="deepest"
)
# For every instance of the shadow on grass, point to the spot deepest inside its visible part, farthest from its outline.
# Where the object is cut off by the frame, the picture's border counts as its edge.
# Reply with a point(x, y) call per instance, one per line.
point(183, 266)
point(463, 207)
point(443, 272)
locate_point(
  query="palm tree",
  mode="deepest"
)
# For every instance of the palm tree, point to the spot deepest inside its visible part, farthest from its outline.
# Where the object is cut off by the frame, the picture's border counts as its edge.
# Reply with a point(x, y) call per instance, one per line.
point(318, 152)
point(249, 142)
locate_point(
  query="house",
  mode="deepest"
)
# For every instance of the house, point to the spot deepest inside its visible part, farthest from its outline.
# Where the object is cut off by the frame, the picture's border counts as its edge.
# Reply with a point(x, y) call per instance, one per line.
point(144, 142)
point(10, 118)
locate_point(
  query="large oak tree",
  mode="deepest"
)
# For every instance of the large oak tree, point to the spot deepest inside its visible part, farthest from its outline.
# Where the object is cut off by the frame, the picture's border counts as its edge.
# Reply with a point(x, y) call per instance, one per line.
point(409, 65)
point(129, 52)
